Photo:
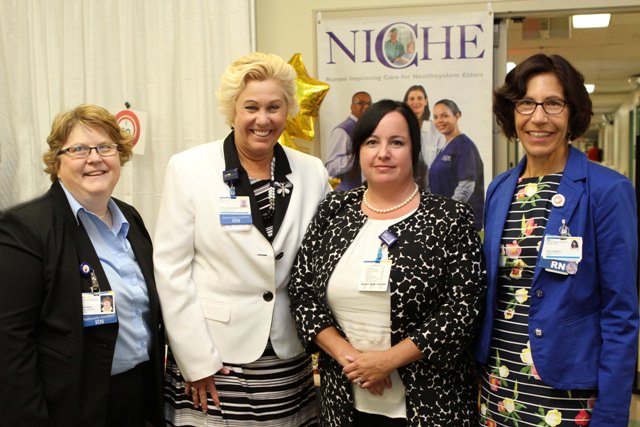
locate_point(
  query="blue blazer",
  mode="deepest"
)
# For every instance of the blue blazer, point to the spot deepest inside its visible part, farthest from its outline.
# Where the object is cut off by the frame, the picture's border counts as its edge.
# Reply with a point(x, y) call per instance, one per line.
point(583, 329)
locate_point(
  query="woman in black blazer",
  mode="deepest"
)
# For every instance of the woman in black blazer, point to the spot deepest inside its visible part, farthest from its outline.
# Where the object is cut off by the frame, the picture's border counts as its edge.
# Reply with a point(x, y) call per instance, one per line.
point(387, 285)
point(63, 361)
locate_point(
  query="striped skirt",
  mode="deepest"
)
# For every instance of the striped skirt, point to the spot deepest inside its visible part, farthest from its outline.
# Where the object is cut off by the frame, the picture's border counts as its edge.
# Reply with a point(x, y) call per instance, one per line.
point(268, 392)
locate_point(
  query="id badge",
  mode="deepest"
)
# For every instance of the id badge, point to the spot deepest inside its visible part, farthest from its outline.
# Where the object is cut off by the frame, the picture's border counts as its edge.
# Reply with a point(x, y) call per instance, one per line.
point(98, 308)
point(561, 254)
point(235, 213)
point(374, 276)
point(562, 248)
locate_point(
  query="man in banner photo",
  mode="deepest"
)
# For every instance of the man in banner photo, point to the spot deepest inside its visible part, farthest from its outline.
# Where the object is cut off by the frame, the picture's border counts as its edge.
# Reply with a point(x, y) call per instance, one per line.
point(339, 161)
point(392, 47)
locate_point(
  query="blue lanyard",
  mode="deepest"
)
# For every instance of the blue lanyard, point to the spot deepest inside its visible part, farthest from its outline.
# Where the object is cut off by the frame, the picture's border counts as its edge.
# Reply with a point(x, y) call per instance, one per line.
point(387, 239)
point(230, 176)
point(379, 256)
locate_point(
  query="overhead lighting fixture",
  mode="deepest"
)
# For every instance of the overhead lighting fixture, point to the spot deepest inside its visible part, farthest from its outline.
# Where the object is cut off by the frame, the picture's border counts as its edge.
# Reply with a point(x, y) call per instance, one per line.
point(510, 66)
point(590, 87)
point(596, 20)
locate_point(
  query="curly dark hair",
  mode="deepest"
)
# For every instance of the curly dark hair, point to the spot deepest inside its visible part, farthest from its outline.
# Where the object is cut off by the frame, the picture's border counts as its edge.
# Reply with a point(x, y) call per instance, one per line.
point(515, 87)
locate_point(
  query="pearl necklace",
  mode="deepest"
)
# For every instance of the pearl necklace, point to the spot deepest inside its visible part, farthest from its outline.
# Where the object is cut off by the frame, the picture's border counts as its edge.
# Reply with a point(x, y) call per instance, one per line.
point(392, 208)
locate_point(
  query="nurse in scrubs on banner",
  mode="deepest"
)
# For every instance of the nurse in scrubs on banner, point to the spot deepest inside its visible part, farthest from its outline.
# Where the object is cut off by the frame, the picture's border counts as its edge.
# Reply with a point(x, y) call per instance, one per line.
point(457, 171)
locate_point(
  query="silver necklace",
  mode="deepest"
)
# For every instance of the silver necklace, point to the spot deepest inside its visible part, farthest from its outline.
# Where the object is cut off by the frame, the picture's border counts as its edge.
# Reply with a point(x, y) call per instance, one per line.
point(392, 208)
point(280, 188)
point(271, 194)
point(101, 216)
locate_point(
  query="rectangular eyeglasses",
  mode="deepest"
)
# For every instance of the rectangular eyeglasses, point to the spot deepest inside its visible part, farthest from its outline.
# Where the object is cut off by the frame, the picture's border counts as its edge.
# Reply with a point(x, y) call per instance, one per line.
point(552, 106)
point(83, 151)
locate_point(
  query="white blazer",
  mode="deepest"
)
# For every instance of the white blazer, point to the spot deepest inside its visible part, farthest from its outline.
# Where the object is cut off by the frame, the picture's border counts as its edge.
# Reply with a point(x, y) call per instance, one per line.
point(212, 280)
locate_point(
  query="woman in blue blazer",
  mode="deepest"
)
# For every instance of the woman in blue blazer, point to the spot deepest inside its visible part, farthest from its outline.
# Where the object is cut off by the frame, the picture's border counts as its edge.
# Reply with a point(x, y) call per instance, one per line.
point(559, 337)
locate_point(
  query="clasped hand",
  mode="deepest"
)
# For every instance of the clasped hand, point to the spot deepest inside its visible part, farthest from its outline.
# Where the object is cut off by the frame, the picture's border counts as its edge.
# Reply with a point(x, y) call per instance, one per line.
point(370, 370)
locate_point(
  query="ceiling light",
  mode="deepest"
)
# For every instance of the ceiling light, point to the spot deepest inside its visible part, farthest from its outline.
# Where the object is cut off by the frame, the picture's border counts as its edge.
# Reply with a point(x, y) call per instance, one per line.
point(510, 66)
point(590, 87)
point(597, 20)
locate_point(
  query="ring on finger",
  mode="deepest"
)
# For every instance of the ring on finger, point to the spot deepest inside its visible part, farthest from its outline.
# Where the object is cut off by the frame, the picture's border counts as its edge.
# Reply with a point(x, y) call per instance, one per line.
point(358, 381)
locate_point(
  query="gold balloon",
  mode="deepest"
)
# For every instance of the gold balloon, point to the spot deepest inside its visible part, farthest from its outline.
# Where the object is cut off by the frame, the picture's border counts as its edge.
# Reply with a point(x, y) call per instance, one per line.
point(334, 182)
point(310, 93)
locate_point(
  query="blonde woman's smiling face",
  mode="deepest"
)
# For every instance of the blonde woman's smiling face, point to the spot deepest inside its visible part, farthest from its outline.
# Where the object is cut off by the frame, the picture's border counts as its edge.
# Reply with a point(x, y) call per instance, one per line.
point(260, 119)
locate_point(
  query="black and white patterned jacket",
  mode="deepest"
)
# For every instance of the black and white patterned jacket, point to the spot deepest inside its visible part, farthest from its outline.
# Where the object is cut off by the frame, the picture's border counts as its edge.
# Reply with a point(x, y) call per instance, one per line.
point(437, 283)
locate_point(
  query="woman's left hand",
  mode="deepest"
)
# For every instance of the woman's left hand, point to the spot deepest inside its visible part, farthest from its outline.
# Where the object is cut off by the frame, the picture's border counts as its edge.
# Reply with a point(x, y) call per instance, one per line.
point(370, 369)
point(199, 389)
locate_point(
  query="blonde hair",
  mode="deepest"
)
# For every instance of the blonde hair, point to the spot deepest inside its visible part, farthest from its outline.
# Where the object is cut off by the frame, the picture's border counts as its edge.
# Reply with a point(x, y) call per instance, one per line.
point(84, 115)
point(255, 66)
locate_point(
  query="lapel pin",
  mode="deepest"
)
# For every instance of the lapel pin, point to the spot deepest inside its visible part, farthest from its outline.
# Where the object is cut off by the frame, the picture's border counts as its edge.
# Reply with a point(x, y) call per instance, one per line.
point(557, 200)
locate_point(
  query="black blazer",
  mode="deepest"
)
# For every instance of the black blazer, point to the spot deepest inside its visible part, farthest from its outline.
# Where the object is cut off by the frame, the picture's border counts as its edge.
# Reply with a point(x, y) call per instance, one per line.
point(53, 371)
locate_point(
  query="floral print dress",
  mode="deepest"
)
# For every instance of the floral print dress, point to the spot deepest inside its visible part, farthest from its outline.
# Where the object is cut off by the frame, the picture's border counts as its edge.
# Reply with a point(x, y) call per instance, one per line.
point(511, 391)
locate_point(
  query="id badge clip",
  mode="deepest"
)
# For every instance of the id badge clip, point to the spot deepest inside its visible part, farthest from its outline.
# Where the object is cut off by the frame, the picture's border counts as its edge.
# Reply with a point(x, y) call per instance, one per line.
point(230, 177)
point(388, 238)
point(561, 254)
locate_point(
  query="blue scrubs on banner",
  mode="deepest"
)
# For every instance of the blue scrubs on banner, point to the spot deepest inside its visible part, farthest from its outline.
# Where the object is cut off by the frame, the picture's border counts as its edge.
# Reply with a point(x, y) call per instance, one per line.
point(458, 161)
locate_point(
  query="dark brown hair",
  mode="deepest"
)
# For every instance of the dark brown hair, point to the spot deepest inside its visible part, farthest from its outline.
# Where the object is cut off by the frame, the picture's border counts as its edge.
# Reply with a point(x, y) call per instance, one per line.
point(515, 87)
point(368, 123)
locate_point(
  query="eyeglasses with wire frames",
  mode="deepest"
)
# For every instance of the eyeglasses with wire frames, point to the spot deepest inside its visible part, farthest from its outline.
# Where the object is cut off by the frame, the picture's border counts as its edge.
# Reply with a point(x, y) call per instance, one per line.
point(551, 106)
point(361, 103)
point(83, 151)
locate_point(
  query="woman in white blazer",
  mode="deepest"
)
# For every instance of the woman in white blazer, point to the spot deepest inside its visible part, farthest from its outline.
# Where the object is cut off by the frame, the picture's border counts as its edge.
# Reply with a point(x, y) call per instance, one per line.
point(232, 217)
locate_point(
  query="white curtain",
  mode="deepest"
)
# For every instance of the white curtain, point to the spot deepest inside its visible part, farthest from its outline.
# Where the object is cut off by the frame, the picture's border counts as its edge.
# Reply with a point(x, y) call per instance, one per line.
point(164, 57)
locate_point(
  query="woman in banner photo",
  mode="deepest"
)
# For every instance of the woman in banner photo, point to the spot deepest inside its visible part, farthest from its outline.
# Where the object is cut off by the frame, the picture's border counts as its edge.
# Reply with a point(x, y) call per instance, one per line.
point(431, 140)
point(232, 217)
point(408, 55)
point(64, 362)
point(559, 335)
point(457, 170)
point(388, 285)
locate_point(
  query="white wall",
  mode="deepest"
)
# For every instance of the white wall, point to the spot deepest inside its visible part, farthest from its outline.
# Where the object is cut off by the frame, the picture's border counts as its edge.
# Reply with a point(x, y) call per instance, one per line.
point(285, 27)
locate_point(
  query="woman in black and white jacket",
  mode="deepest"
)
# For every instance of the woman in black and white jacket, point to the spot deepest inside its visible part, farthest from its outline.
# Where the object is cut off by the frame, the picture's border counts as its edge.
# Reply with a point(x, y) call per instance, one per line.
point(388, 287)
